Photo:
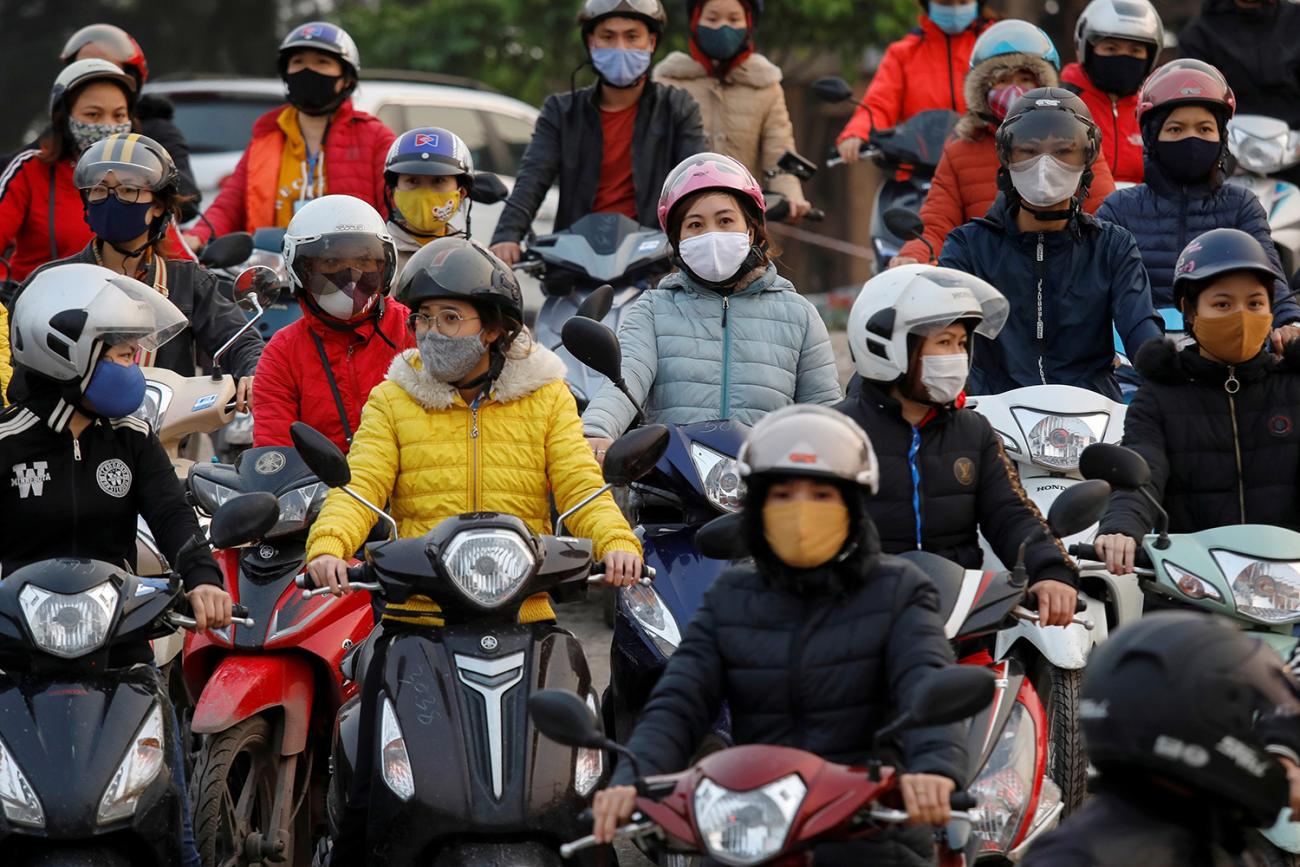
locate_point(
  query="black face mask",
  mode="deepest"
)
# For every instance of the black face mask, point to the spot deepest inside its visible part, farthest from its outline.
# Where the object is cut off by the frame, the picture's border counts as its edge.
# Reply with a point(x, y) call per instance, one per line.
point(1189, 160)
point(313, 93)
point(1121, 75)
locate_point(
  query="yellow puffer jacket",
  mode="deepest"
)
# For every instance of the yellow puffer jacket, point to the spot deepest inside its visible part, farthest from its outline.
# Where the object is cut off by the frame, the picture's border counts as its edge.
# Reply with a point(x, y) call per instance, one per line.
point(6, 367)
point(430, 456)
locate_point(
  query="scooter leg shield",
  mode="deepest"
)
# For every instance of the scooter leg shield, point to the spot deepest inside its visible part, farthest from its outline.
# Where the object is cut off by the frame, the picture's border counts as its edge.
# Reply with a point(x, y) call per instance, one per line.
point(245, 685)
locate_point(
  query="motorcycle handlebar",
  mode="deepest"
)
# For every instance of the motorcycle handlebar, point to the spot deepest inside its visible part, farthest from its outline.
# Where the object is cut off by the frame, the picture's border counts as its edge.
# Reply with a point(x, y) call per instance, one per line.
point(598, 572)
point(1031, 603)
point(963, 801)
point(1085, 551)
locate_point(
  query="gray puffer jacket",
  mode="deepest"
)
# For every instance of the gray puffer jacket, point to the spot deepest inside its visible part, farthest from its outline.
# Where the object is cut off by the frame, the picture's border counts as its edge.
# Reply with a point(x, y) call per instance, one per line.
point(691, 354)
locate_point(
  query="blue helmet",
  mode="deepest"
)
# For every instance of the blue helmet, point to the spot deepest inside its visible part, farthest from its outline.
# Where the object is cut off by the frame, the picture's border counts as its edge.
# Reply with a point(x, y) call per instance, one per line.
point(1013, 36)
point(429, 150)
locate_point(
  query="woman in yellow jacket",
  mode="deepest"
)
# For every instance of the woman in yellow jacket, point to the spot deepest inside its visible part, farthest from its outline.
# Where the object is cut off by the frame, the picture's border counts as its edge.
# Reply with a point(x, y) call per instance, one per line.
point(6, 366)
point(477, 418)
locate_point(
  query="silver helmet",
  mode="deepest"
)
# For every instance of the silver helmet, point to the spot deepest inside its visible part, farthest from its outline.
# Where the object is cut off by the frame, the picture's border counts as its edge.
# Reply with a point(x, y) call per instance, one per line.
point(810, 441)
point(1135, 20)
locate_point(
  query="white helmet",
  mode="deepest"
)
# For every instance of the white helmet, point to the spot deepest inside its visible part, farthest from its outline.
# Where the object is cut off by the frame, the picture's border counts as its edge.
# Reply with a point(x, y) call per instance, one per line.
point(323, 245)
point(916, 299)
point(1120, 19)
point(82, 72)
point(813, 442)
point(69, 314)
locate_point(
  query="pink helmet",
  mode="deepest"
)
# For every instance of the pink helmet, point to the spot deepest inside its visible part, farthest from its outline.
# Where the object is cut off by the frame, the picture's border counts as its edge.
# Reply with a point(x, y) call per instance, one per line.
point(1186, 81)
point(709, 171)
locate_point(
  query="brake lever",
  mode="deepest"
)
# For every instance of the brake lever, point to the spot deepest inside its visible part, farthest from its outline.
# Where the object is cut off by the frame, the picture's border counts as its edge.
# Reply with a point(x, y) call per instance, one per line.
point(899, 817)
point(372, 586)
point(180, 621)
point(632, 830)
point(1028, 616)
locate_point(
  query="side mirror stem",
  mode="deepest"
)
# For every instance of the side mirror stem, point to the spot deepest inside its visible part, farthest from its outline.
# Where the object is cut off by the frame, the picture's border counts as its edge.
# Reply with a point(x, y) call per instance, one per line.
point(933, 258)
point(384, 516)
point(559, 522)
point(639, 418)
point(900, 722)
point(1162, 518)
point(217, 356)
point(642, 789)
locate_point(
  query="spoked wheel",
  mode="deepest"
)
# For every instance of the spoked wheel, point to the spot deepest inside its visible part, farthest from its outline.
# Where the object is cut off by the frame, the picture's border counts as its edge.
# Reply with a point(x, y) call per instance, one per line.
point(1067, 761)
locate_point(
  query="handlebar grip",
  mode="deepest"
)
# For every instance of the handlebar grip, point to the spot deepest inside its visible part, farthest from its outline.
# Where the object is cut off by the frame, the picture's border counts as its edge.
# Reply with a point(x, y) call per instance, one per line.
point(302, 582)
point(1085, 551)
point(1031, 603)
point(963, 801)
point(238, 610)
point(598, 568)
point(358, 573)
point(816, 215)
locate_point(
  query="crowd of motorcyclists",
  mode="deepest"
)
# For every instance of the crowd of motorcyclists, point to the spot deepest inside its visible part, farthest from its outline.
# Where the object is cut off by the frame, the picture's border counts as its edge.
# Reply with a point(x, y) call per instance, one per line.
point(413, 358)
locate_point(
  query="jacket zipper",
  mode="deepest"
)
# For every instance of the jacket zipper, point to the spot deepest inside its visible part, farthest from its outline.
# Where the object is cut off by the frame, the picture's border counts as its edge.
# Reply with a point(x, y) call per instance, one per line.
point(473, 446)
point(914, 465)
point(76, 457)
point(1114, 113)
point(952, 88)
point(1231, 385)
point(726, 359)
point(1039, 329)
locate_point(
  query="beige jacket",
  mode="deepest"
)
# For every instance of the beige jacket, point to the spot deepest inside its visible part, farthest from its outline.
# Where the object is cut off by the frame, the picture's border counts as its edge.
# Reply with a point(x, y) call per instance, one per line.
point(744, 115)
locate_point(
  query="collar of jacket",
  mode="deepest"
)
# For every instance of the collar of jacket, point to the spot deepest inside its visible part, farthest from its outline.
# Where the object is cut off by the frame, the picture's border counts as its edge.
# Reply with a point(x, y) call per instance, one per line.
point(270, 122)
point(1001, 217)
point(756, 70)
point(406, 242)
point(1161, 361)
point(520, 377)
point(878, 393)
point(1154, 177)
point(360, 333)
point(768, 281)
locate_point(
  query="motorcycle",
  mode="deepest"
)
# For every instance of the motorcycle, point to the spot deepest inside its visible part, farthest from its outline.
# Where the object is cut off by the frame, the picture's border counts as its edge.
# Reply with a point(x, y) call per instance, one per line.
point(1247, 572)
point(483, 789)
point(763, 804)
point(87, 743)
point(778, 207)
point(1262, 146)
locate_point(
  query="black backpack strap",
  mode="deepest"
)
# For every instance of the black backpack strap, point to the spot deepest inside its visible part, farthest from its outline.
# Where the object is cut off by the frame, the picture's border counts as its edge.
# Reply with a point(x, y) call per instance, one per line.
point(334, 386)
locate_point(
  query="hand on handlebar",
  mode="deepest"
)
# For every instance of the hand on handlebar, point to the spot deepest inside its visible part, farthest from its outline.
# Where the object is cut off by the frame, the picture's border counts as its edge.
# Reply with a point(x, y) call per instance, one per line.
point(599, 445)
point(211, 606)
point(611, 808)
point(1056, 602)
point(508, 252)
point(850, 149)
point(1118, 551)
point(926, 798)
point(244, 394)
point(622, 568)
point(901, 260)
point(332, 572)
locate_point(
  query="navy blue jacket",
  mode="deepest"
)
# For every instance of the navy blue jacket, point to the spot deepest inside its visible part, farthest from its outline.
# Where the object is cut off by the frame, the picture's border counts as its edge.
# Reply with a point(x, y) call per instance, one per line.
point(1164, 217)
point(1066, 290)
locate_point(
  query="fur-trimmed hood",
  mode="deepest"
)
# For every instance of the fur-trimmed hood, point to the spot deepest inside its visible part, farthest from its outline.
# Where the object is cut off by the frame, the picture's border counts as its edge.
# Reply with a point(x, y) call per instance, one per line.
point(756, 70)
point(978, 118)
point(1163, 362)
point(520, 377)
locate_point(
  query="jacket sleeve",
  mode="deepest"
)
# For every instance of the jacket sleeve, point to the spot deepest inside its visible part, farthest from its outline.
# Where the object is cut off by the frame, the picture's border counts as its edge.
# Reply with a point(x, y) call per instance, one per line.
point(883, 103)
point(1130, 296)
point(373, 458)
point(958, 254)
point(817, 379)
point(537, 171)
point(916, 648)
point(161, 501)
point(1103, 184)
point(275, 393)
point(575, 475)
point(690, 126)
point(942, 211)
point(6, 365)
point(1252, 219)
point(1007, 516)
point(609, 413)
point(226, 214)
point(1129, 513)
point(215, 319)
point(683, 704)
point(15, 199)
point(777, 138)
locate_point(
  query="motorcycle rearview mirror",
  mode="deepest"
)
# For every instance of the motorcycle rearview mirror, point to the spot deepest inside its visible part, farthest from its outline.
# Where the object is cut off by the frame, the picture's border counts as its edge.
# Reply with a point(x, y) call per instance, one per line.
point(635, 453)
point(800, 166)
point(597, 305)
point(488, 189)
point(832, 88)
point(595, 345)
point(721, 538)
point(1078, 508)
point(258, 284)
point(1125, 470)
point(566, 719)
point(947, 695)
point(227, 251)
point(244, 519)
point(903, 223)
point(269, 238)
point(321, 455)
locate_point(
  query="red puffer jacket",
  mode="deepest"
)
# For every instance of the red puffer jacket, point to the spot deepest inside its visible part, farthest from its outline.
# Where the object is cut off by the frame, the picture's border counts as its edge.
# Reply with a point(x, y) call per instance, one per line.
point(355, 147)
point(1121, 137)
point(291, 384)
point(25, 219)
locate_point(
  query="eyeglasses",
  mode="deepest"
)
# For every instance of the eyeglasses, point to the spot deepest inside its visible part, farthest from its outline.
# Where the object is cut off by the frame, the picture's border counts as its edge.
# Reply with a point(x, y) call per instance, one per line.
point(448, 322)
point(125, 195)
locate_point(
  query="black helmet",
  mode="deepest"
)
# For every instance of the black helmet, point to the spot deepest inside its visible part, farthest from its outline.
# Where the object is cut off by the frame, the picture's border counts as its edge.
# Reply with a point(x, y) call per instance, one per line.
point(1217, 252)
point(650, 11)
point(1048, 113)
point(456, 267)
point(1176, 694)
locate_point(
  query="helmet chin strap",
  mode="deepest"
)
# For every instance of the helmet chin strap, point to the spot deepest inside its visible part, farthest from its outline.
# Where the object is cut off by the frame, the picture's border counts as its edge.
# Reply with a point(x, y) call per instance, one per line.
point(1046, 216)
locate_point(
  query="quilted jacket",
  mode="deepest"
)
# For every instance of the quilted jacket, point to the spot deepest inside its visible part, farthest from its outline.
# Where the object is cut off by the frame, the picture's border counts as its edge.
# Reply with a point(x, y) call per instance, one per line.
point(1121, 138)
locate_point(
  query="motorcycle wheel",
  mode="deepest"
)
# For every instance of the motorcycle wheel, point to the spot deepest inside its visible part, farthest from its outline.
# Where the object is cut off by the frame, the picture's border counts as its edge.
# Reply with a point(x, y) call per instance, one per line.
point(1067, 760)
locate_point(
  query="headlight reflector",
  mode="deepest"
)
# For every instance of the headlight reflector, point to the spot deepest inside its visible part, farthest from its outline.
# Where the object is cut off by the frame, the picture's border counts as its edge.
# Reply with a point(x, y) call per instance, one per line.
point(1263, 156)
point(1056, 441)
point(298, 508)
point(395, 762)
point(589, 763)
point(721, 476)
point(20, 803)
point(747, 827)
point(1004, 787)
point(649, 610)
point(489, 566)
point(1266, 590)
point(140, 766)
point(68, 625)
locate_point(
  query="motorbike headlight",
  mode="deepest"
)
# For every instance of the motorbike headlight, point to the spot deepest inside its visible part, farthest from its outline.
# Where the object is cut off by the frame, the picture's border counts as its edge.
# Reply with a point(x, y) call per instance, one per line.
point(1006, 784)
point(1192, 586)
point(209, 496)
point(1009, 444)
point(489, 566)
point(1263, 156)
point(1056, 441)
point(649, 610)
point(20, 803)
point(68, 625)
point(1265, 590)
point(721, 475)
point(747, 827)
point(590, 763)
point(157, 397)
point(298, 508)
point(140, 767)
point(395, 762)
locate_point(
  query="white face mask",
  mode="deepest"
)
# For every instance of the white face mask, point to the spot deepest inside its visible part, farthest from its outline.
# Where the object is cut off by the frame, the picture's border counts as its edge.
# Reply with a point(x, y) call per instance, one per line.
point(715, 256)
point(944, 376)
point(1043, 181)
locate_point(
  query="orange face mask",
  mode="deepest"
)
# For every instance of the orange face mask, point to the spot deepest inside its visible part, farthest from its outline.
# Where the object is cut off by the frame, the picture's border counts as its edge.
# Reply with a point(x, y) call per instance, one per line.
point(805, 533)
point(1234, 338)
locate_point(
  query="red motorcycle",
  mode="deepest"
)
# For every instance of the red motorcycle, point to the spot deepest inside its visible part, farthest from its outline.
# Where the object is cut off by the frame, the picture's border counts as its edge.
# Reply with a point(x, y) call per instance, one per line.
point(268, 695)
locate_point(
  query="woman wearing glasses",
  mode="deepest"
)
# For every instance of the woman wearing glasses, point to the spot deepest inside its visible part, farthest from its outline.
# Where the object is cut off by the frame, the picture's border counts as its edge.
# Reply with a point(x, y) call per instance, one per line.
point(321, 368)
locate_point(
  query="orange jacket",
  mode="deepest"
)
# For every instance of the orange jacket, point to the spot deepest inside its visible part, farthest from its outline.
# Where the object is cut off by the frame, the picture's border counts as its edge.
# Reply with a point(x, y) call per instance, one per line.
point(966, 183)
point(923, 70)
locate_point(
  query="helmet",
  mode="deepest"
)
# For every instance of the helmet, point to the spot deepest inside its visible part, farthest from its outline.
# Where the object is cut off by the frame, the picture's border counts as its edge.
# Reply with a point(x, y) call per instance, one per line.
point(322, 36)
point(1013, 36)
point(82, 72)
point(70, 313)
point(710, 171)
point(916, 299)
point(1187, 82)
point(1049, 112)
point(132, 158)
point(116, 45)
point(1176, 694)
point(1216, 252)
point(334, 228)
point(456, 267)
point(1136, 20)
point(429, 150)
point(650, 11)
point(811, 441)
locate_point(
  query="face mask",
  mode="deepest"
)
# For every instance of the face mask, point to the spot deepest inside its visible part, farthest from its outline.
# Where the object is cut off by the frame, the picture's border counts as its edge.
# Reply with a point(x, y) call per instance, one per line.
point(311, 92)
point(953, 19)
point(1121, 75)
point(944, 376)
point(117, 222)
point(347, 295)
point(621, 67)
point(449, 359)
point(1234, 338)
point(1188, 160)
point(86, 134)
point(721, 43)
point(1044, 181)
point(805, 533)
point(1001, 98)
point(115, 390)
point(715, 256)
point(427, 211)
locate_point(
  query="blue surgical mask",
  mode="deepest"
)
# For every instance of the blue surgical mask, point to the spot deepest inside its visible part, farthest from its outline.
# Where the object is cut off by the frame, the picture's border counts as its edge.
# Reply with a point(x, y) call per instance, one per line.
point(115, 390)
point(954, 19)
point(721, 43)
point(621, 67)
point(117, 222)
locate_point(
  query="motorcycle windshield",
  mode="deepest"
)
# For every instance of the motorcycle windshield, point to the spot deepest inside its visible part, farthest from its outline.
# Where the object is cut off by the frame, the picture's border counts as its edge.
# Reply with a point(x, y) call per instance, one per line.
point(604, 247)
point(919, 141)
point(1050, 425)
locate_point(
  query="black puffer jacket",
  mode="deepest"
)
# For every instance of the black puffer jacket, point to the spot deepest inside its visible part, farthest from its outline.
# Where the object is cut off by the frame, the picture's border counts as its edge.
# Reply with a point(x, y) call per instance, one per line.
point(1206, 475)
point(567, 145)
point(960, 481)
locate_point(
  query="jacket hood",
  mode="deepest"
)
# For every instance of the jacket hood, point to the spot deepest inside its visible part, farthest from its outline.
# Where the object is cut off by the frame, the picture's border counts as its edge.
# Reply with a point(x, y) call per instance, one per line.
point(980, 80)
point(768, 281)
point(521, 376)
point(756, 70)
point(1162, 361)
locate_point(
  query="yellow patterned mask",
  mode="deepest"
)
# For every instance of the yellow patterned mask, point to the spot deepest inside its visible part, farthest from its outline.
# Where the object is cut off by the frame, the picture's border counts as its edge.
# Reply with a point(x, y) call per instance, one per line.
point(426, 211)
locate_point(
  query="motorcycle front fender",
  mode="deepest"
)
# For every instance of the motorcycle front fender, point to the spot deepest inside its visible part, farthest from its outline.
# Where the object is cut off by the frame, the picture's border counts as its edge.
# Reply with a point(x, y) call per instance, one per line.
point(1064, 647)
point(245, 685)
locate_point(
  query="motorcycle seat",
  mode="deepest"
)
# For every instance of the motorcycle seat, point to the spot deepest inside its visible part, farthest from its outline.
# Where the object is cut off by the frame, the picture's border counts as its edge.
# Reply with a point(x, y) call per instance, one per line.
point(946, 576)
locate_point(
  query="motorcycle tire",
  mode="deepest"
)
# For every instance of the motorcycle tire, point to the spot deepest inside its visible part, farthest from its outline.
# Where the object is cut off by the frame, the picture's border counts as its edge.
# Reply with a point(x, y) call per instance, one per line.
point(1067, 760)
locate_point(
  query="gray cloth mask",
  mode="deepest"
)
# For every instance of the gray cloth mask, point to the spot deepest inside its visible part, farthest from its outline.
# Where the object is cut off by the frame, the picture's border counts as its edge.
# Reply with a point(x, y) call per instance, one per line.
point(449, 359)
point(86, 134)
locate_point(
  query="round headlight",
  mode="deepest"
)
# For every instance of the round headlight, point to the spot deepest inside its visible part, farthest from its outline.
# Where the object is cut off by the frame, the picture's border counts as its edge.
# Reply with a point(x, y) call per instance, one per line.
point(489, 566)
point(747, 827)
point(68, 625)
